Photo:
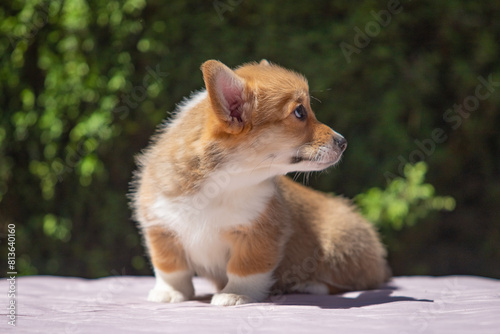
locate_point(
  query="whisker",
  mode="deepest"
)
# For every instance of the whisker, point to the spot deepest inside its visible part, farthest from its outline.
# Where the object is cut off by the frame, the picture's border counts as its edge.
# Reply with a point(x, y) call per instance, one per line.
point(319, 154)
point(271, 164)
point(258, 165)
point(321, 90)
point(295, 176)
point(316, 99)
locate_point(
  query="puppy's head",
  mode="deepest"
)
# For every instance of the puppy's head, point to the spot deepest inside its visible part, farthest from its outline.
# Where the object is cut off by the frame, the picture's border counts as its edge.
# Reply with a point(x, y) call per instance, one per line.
point(263, 112)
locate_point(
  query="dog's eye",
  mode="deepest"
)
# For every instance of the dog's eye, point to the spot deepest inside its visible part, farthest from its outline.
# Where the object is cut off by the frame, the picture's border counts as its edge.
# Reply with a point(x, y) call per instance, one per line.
point(300, 112)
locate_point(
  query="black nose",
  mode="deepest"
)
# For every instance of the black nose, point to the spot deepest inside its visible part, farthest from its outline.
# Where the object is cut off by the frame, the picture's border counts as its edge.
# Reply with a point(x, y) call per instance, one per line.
point(341, 142)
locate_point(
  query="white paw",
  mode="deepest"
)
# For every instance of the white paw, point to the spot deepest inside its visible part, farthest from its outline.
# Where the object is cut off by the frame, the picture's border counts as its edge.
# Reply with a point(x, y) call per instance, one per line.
point(166, 296)
point(230, 299)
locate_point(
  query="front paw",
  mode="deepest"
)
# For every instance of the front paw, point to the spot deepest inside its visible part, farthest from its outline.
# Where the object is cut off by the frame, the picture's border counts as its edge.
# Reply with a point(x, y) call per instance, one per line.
point(230, 299)
point(166, 296)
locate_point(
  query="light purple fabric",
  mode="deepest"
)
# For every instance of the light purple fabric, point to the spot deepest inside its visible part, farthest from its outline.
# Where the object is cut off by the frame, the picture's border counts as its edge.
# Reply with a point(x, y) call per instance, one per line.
point(418, 304)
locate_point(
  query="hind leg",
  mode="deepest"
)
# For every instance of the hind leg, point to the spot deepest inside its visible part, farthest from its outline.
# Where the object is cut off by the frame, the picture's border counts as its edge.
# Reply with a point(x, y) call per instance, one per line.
point(312, 287)
point(354, 258)
point(342, 257)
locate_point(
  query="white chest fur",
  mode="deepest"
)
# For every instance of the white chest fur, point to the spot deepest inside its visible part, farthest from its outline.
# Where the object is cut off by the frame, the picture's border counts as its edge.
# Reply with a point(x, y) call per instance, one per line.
point(200, 220)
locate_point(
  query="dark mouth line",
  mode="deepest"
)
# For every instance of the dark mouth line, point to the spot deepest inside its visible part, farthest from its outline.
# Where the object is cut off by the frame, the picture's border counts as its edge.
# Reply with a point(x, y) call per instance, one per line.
point(296, 160)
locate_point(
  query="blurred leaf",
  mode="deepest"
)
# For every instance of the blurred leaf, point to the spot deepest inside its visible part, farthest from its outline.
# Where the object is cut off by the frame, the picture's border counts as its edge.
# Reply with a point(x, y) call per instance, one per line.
point(404, 200)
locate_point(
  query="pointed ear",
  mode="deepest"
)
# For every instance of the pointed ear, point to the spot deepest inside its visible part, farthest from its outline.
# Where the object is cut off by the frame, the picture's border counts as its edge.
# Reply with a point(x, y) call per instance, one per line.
point(227, 94)
point(264, 62)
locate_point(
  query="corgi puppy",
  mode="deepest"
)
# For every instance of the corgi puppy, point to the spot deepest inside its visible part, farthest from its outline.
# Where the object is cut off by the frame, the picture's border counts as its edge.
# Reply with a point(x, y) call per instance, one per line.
point(211, 197)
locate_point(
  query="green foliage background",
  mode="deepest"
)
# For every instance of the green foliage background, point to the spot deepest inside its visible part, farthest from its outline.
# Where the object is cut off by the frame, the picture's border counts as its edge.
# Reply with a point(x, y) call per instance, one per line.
point(75, 109)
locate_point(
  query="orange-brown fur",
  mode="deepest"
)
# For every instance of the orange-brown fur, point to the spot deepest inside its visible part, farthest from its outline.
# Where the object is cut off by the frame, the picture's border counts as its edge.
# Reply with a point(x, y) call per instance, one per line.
point(300, 235)
point(166, 252)
point(254, 249)
point(346, 251)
